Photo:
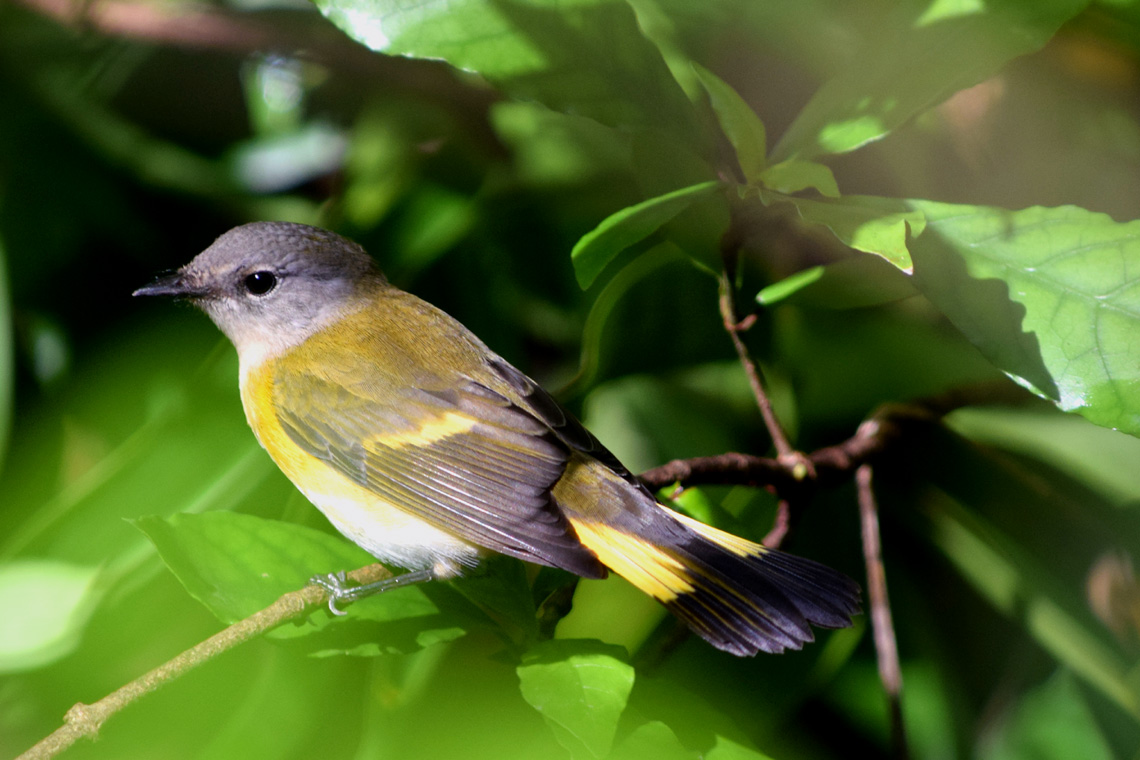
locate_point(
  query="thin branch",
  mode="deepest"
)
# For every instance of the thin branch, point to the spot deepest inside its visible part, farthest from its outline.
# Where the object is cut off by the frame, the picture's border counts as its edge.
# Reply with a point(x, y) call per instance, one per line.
point(86, 720)
point(886, 646)
point(829, 464)
point(781, 526)
point(733, 326)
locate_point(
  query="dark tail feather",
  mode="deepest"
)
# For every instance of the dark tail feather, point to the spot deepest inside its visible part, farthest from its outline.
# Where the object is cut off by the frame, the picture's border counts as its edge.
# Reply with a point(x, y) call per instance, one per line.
point(738, 595)
point(748, 599)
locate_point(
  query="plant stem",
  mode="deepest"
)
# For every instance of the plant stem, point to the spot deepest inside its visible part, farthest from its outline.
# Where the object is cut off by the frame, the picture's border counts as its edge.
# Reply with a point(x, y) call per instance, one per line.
point(733, 326)
point(886, 646)
point(86, 720)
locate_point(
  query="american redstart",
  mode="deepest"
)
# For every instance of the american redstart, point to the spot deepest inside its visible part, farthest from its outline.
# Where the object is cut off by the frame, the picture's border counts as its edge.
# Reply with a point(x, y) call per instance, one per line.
point(427, 449)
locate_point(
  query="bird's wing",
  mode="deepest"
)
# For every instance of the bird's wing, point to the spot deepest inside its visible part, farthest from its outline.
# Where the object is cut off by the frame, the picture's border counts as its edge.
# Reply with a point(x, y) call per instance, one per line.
point(465, 459)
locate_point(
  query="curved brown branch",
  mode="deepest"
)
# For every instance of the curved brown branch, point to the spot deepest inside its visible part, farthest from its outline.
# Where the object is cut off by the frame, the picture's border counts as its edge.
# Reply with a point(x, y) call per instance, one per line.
point(830, 464)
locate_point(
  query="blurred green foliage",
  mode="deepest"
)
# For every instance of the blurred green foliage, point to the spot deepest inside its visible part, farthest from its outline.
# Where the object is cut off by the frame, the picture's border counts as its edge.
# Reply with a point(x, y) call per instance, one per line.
point(472, 149)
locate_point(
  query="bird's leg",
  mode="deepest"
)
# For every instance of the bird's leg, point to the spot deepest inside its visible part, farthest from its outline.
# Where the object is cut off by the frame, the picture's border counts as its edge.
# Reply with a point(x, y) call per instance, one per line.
point(339, 591)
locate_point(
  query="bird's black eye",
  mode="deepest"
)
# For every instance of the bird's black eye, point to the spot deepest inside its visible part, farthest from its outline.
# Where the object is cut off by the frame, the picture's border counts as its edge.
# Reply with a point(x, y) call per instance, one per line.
point(260, 283)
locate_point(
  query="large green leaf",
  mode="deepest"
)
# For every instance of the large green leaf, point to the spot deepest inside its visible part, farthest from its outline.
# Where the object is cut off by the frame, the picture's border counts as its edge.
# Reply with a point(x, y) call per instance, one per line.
point(919, 55)
point(237, 564)
point(1066, 321)
point(581, 688)
point(587, 57)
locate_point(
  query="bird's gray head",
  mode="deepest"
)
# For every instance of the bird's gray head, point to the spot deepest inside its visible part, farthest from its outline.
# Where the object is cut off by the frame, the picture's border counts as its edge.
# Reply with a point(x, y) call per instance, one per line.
point(270, 285)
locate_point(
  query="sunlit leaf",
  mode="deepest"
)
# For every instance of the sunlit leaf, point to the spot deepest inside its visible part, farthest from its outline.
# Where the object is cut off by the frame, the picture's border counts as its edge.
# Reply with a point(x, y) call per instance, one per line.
point(588, 57)
point(794, 175)
point(46, 607)
point(917, 56)
point(866, 223)
point(726, 749)
point(580, 687)
point(1050, 295)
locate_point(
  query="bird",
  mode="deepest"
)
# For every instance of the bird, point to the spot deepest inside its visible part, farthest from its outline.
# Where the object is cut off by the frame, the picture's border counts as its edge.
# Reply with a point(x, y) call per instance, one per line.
point(430, 451)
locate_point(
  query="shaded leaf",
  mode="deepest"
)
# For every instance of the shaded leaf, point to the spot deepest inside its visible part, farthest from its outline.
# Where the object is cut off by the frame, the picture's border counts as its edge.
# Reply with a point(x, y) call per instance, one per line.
point(631, 225)
point(920, 54)
point(739, 123)
point(1052, 722)
point(580, 687)
point(653, 740)
point(849, 283)
point(1017, 586)
point(7, 351)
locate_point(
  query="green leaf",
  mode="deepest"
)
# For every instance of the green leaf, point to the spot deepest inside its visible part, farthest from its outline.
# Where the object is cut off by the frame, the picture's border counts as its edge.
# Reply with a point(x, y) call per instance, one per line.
point(1049, 295)
point(739, 123)
point(586, 57)
point(1052, 722)
point(1100, 458)
point(581, 688)
point(866, 223)
point(597, 321)
point(653, 739)
point(631, 225)
point(918, 56)
point(1013, 583)
point(46, 606)
point(794, 175)
point(726, 749)
point(849, 283)
point(7, 351)
point(237, 564)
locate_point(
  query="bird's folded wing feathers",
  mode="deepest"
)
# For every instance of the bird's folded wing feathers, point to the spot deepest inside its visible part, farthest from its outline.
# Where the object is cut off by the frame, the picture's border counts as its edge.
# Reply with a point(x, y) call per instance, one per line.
point(465, 459)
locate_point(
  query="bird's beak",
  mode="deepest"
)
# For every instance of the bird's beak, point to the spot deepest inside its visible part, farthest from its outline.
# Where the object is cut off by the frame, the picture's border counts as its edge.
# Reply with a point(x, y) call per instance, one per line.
point(175, 285)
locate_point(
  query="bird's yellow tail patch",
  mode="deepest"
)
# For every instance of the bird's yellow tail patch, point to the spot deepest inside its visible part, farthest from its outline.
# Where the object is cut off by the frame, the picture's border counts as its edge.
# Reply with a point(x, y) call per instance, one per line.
point(737, 594)
point(741, 547)
point(652, 569)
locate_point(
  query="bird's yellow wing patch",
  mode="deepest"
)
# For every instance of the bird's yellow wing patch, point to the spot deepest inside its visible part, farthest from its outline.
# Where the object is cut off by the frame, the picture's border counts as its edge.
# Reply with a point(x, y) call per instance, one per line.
point(433, 430)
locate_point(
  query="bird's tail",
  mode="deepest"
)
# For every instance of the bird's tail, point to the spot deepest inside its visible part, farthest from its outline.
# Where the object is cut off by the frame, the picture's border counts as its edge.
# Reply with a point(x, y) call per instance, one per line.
point(738, 595)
